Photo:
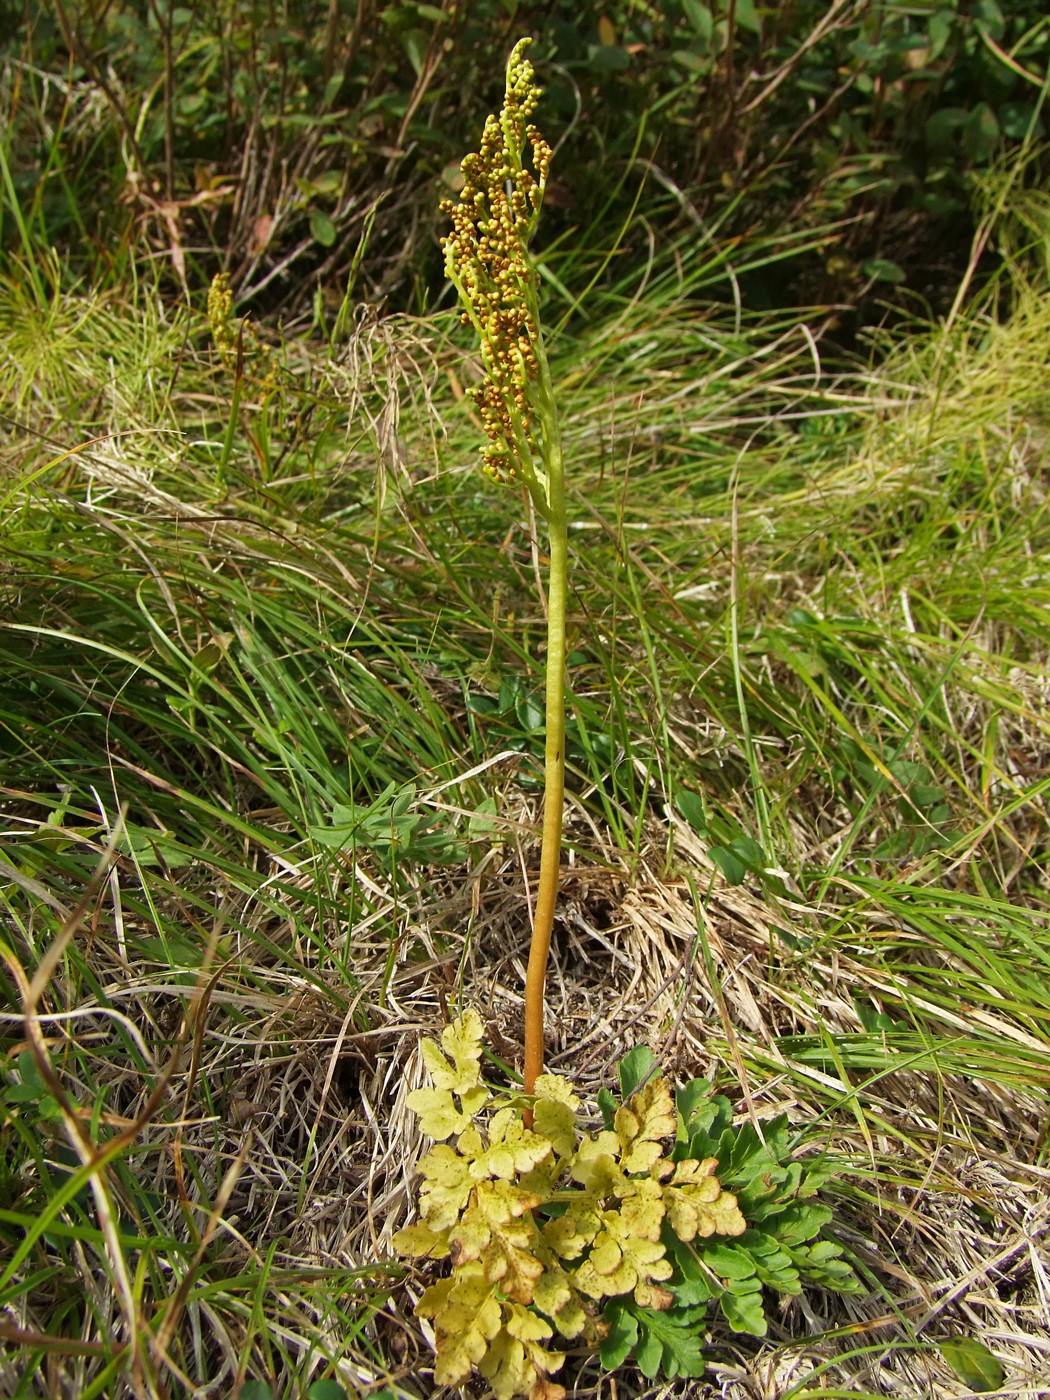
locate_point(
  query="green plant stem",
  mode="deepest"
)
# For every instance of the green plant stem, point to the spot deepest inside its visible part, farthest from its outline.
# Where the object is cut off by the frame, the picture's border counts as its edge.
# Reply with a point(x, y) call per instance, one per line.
point(554, 748)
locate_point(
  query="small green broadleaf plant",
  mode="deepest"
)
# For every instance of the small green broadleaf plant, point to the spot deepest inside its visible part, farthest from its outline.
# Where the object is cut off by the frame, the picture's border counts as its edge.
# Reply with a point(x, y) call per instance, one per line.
point(620, 1239)
point(781, 1249)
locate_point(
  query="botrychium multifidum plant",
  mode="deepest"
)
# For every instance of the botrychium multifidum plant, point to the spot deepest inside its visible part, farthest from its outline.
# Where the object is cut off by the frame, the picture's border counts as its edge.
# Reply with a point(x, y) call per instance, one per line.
point(623, 1237)
point(241, 351)
point(488, 262)
point(247, 361)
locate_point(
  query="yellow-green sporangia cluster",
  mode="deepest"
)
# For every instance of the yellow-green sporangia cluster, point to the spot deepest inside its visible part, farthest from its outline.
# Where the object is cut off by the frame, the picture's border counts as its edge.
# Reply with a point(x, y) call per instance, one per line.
point(542, 1224)
point(487, 260)
point(238, 343)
